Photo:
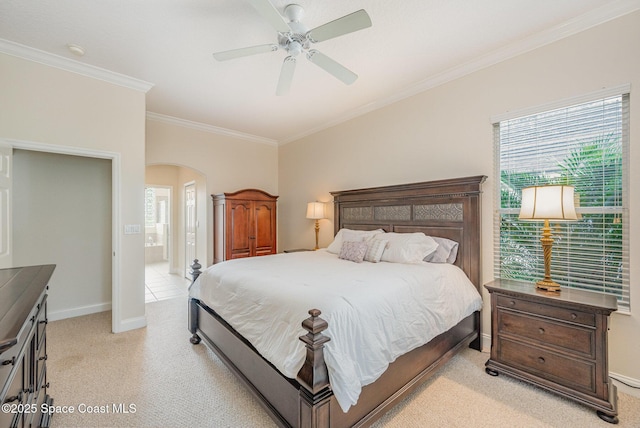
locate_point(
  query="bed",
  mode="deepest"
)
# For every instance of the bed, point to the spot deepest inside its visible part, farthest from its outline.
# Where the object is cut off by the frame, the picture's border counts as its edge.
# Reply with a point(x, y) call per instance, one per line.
point(445, 208)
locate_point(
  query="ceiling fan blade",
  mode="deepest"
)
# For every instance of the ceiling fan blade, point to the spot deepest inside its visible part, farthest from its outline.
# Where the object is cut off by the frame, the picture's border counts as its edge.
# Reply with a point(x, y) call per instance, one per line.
point(347, 24)
point(271, 14)
point(286, 75)
point(339, 71)
point(238, 53)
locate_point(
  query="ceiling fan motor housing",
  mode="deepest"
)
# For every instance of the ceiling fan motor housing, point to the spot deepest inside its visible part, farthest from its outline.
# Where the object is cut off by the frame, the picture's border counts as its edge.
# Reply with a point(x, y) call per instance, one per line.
point(294, 12)
point(295, 41)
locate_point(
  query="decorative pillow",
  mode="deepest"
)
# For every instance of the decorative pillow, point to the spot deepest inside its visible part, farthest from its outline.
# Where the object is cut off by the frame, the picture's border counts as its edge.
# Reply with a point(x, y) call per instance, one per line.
point(375, 248)
point(353, 235)
point(446, 252)
point(353, 251)
point(408, 247)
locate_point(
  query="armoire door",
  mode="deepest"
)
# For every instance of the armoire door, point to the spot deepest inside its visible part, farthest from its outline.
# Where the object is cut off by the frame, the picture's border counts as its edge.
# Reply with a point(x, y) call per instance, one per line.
point(265, 228)
point(239, 231)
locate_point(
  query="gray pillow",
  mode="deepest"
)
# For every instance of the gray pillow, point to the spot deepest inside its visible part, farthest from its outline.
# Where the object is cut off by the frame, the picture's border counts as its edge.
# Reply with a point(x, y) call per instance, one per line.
point(446, 252)
point(353, 251)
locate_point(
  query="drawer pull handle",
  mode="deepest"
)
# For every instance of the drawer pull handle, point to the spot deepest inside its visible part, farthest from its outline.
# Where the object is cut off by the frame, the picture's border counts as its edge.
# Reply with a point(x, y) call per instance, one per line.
point(573, 316)
point(12, 361)
point(512, 302)
point(541, 330)
point(541, 360)
point(14, 398)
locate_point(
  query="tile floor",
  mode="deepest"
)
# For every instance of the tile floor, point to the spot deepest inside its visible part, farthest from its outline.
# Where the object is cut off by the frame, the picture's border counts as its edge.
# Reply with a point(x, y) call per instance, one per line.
point(160, 284)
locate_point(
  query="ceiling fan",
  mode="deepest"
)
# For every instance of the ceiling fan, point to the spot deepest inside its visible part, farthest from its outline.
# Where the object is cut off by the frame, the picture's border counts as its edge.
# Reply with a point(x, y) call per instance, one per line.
point(295, 38)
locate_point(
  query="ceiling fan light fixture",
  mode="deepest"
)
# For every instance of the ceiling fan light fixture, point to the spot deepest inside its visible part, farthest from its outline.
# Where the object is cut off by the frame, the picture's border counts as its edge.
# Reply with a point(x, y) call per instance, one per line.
point(294, 48)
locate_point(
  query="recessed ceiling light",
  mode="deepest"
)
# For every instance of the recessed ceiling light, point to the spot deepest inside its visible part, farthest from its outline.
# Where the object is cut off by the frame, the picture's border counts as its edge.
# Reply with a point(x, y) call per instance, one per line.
point(76, 50)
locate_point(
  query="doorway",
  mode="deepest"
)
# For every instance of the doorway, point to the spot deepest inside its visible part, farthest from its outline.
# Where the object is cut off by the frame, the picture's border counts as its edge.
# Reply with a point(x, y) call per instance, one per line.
point(187, 220)
point(160, 284)
point(157, 214)
point(68, 224)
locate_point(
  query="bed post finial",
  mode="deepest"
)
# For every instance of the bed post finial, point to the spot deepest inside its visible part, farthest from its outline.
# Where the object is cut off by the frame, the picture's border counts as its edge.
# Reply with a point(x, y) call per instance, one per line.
point(315, 393)
point(195, 270)
point(313, 374)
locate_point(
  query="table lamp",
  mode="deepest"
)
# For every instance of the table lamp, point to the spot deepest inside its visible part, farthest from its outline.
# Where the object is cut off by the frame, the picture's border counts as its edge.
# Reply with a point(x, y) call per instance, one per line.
point(315, 211)
point(551, 202)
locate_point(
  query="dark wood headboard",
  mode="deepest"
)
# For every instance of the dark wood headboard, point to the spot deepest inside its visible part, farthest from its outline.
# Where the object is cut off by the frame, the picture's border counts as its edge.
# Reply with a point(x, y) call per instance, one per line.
point(445, 208)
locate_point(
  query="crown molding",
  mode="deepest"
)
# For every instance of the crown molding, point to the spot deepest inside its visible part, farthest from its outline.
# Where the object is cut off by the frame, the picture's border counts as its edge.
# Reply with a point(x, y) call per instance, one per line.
point(608, 12)
point(157, 117)
point(52, 60)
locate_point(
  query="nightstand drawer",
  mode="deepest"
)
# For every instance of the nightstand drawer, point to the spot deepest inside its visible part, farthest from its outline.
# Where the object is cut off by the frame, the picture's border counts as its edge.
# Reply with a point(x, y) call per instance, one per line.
point(573, 373)
point(563, 314)
point(566, 337)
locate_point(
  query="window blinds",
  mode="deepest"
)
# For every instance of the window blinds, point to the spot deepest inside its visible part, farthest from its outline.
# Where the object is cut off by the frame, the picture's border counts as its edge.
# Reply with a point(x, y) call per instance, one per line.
point(584, 145)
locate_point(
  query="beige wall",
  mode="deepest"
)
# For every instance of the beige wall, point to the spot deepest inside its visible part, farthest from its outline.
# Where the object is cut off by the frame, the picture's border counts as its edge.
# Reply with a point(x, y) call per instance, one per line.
point(228, 164)
point(446, 132)
point(61, 110)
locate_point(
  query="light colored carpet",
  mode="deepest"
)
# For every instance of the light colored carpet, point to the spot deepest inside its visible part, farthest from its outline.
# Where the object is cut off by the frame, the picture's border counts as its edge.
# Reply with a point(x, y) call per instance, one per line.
point(171, 383)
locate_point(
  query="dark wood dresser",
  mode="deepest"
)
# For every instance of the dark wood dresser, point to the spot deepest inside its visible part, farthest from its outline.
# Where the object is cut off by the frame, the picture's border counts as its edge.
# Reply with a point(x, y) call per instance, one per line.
point(557, 341)
point(23, 346)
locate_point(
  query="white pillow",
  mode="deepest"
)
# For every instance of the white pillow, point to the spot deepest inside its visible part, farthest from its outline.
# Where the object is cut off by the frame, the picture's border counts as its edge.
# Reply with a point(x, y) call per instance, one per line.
point(408, 247)
point(352, 235)
point(446, 252)
point(375, 248)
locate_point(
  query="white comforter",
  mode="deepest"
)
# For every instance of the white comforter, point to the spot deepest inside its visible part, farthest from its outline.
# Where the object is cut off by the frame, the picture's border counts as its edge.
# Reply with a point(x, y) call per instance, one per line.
point(375, 311)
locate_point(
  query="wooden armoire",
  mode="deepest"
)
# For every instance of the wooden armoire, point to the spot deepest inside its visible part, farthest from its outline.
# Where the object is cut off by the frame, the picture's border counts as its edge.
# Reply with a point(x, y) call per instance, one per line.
point(244, 224)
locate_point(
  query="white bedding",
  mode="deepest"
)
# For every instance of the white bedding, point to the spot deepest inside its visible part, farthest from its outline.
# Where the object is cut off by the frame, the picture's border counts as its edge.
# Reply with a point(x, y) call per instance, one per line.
point(375, 311)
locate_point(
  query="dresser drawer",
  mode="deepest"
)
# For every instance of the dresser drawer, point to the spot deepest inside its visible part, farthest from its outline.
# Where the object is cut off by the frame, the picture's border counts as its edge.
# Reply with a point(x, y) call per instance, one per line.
point(15, 397)
point(576, 374)
point(546, 310)
point(567, 337)
point(11, 357)
point(41, 320)
point(8, 360)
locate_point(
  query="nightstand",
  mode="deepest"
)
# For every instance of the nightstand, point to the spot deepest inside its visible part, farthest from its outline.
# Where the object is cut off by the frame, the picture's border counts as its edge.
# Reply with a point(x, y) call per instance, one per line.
point(557, 341)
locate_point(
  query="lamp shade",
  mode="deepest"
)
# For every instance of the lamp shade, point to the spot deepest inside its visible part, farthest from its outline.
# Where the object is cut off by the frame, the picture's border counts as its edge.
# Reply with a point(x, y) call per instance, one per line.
point(315, 210)
point(551, 202)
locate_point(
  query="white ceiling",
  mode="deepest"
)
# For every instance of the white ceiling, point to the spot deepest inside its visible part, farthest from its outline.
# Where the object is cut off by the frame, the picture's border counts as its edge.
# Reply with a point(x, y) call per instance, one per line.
point(413, 45)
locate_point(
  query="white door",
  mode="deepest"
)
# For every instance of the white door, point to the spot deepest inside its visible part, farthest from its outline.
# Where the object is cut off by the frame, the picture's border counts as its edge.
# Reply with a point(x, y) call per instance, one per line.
point(6, 155)
point(189, 227)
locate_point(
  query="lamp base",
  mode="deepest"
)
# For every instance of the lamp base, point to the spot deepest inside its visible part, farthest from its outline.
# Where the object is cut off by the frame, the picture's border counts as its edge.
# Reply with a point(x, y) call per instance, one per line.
point(548, 285)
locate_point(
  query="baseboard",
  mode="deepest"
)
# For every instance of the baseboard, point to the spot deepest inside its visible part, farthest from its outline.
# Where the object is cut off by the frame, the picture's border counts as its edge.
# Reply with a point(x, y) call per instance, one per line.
point(486, 342)
point(626, 384)
point(131, 324)
point(77, 312)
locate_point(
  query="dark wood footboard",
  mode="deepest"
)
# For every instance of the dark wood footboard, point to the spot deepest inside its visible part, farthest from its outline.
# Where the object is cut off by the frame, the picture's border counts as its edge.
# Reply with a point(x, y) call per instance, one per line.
point(308, 400)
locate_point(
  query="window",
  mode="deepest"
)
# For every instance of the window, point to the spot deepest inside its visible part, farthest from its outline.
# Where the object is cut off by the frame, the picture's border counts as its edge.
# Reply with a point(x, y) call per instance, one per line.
point(584, 145)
